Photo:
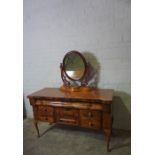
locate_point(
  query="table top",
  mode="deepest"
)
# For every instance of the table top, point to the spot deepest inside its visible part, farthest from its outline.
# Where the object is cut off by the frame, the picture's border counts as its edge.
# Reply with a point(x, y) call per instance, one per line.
point(56, 94)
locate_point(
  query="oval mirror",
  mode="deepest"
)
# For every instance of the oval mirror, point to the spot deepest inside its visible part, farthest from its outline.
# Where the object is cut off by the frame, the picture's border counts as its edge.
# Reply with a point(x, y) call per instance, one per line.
point(74, 65)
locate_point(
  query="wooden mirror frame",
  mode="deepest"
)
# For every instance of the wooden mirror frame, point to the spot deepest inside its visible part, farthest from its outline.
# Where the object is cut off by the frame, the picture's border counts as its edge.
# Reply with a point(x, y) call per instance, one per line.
point(84, 62)
point(83, 80)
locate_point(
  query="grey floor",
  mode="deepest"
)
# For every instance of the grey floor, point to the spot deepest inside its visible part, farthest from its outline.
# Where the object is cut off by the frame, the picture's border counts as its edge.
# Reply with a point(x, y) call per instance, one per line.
point(64, 140)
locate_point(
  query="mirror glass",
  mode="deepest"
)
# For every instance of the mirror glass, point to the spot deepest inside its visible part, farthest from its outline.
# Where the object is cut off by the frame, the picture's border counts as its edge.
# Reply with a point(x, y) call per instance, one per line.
point(74, 66)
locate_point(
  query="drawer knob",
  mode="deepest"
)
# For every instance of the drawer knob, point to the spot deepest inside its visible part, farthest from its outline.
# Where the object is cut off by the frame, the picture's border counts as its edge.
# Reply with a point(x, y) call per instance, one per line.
point(45, 110)
point(90, 124)
point(90, 114)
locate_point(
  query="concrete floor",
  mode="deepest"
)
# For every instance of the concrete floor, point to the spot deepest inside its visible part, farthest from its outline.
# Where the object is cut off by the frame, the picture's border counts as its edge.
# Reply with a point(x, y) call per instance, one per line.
point(64, 140)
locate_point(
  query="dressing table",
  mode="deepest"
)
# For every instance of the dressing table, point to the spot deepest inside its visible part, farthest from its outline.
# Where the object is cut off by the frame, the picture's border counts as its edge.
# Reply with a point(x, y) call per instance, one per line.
point(75, 103)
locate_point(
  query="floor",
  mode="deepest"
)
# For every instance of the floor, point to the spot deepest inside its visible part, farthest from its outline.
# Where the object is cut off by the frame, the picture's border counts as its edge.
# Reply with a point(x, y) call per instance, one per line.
point(64, 140)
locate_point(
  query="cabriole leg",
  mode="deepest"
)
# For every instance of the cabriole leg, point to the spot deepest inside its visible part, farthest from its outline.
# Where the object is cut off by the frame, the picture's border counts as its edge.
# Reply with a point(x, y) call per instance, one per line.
point(107, 128)
point(36, 126)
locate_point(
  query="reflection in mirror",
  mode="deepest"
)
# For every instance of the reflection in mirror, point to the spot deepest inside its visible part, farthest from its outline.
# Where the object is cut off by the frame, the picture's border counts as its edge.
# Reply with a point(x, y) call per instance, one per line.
point(74, 66)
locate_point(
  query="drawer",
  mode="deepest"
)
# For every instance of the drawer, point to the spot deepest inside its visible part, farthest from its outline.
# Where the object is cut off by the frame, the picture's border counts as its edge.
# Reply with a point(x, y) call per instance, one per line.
point(91, 124)
point(43, 102)
point(93, 114)
point(45, 110)
point(77, 105)
point(67, 116)
point(45, 119)
point(68, 113)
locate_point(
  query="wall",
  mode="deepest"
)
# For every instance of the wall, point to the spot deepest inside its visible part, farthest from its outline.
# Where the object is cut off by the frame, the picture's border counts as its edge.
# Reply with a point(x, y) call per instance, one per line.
point(99, 27)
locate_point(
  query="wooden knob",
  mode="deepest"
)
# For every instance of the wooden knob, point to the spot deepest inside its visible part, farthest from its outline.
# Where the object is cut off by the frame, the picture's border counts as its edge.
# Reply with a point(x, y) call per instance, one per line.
point(89, 114)
point(90, 124)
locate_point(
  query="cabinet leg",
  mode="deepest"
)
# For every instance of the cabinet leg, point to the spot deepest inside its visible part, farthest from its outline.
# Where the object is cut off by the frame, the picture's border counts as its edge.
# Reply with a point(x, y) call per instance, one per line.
point(108, 142)
point(107, 127)
point(108, 136)
point(36, 126)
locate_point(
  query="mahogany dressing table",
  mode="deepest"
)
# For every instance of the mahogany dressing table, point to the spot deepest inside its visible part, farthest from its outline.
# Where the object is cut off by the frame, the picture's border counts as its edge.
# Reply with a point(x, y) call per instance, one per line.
point(75, 106)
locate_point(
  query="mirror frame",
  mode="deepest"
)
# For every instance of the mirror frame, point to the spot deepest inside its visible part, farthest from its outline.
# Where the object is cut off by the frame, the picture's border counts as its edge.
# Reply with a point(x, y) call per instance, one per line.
point(84, 62)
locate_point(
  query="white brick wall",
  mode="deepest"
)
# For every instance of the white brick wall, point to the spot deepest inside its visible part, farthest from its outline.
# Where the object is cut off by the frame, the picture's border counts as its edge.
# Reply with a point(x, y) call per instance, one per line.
point(54, 27)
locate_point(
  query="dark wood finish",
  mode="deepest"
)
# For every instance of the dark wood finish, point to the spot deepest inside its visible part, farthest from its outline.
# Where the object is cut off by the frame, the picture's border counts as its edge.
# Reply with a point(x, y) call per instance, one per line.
point(89, 109)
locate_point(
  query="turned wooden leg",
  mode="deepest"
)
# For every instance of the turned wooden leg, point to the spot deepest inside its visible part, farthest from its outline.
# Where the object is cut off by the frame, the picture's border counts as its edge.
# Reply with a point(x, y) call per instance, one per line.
point(36, 126)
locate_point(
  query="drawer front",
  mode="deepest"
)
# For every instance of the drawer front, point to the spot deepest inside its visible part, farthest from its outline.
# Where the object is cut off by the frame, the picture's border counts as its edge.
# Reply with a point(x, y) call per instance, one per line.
point(43, 102)
point(91, 114)
point(68, 113)
point(78, 105)
point(67, 116)
point(45, 111)
point(90, 119)
point(45, 119)
point(91, 124)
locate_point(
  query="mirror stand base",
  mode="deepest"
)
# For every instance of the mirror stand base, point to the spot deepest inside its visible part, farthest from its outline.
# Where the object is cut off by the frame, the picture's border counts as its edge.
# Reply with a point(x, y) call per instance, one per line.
point(74, 89)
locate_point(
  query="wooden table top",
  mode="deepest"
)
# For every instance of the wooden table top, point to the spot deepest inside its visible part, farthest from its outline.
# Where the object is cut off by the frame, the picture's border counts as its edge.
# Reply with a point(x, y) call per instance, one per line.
point(56, 93)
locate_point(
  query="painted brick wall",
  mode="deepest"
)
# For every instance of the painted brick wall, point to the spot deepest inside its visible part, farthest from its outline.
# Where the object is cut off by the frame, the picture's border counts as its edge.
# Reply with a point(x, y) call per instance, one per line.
point(99, 27)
